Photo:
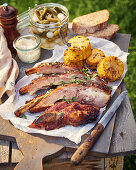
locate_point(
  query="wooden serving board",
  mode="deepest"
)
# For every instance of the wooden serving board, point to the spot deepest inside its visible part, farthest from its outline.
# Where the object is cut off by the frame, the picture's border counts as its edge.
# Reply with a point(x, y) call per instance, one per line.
point(35, 146)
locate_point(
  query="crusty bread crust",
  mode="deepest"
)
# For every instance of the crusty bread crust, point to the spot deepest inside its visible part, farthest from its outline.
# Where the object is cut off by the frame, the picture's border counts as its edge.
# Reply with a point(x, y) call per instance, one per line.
point(107, 33)
point(91, 22)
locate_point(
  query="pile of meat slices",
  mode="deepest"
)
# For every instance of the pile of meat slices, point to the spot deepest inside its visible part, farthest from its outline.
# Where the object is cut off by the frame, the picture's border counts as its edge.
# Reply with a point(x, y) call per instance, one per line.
point(76, 97)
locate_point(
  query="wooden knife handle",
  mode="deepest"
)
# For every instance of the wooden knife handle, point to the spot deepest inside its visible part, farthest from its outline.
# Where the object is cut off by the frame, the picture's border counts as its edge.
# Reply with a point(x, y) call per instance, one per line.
point(83, 149)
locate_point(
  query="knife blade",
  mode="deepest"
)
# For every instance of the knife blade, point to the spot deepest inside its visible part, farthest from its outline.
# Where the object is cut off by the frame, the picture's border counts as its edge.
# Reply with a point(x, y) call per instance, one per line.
point(83, 149)
point(109, 114)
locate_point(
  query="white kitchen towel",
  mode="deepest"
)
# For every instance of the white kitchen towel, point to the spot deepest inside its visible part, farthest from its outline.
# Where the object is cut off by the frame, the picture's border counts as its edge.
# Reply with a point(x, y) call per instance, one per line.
point(8, 69)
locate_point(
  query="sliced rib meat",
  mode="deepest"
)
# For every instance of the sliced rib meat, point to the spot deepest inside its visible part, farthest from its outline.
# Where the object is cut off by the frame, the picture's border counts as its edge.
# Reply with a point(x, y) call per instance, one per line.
point(94, 93)
point(49, 68)
point(59, 79)
point(29, 104)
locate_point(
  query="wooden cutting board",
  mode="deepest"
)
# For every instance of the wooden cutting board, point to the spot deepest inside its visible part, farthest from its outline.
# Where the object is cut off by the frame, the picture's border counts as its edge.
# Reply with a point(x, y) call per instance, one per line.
point(35, 146)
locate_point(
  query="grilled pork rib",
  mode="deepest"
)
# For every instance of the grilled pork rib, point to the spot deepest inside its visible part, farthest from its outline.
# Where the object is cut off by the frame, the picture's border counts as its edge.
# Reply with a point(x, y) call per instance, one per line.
point(49, 68)
point(29, 104)
point(94, 93)
point(61, 114)
point(59, 79)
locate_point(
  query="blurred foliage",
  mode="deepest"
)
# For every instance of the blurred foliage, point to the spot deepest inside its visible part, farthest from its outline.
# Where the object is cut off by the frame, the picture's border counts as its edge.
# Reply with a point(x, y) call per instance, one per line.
point(123, 13)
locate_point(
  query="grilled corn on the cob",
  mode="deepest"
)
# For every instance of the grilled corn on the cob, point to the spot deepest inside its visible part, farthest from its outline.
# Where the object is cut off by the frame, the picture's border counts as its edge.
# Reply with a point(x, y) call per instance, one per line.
point(69, 62)
point(110, 68)
point(95, 58)
point(79, 48)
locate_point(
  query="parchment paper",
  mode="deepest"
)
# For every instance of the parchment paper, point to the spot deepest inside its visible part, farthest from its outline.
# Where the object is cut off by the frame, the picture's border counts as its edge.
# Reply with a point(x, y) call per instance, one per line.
point(72, 133)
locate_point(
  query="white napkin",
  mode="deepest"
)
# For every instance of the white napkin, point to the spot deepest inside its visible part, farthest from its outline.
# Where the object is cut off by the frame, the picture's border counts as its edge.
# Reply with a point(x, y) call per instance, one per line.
point(8, 69)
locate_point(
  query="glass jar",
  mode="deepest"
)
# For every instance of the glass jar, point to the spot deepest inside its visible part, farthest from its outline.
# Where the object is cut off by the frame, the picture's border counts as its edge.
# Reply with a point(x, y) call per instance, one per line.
point(28, 47)
point(50, 32)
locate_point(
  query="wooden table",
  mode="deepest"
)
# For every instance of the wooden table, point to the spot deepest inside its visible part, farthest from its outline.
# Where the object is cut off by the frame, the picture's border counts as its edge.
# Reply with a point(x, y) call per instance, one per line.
point(123, 141)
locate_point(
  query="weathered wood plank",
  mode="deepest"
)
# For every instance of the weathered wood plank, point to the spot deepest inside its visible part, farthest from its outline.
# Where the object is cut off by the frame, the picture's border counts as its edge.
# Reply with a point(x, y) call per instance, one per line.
point(124, 136)
point(17, 155)
point(97, 164)
point(4, 151)
point(114, 163)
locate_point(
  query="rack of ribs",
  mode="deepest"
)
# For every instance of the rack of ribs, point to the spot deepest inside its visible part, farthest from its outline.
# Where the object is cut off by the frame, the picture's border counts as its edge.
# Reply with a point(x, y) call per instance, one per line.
point(50, 68)
point(29, 104)
point(62, 113)
point(94, 93)
point(59, 79)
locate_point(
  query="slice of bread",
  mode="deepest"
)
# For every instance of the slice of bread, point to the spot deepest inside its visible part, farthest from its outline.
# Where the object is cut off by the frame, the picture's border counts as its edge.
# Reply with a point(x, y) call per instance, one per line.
point(91, 22)
point(107, 33)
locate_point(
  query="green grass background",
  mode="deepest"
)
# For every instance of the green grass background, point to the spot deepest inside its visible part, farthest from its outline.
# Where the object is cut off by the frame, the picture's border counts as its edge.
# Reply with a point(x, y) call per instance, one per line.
point(123, 13)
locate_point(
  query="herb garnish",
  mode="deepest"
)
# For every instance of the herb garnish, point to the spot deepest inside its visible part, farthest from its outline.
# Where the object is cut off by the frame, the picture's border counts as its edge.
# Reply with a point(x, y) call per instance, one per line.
point(69, 101)
point(76, 81)
point(24, 116)
point(53, 74)
point(60, 114)
point(96, 74)
point(84, 70)
point(73, 77)
point(73, 99)
point(88, 77)
point(62, 83)
point(44, 64)
point(110, 87)
point(37, 116)
point(54, 63)
point(47, 93)
point(51, 84)
point(35, 100)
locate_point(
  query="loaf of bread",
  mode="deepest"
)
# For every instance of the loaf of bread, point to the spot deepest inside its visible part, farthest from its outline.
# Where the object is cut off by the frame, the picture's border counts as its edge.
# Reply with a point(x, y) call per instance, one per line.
point(91, 22)
point(107, 33)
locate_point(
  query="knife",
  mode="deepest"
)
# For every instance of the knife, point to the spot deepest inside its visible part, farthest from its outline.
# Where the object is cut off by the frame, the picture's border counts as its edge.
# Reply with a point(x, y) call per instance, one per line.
point(83, 149)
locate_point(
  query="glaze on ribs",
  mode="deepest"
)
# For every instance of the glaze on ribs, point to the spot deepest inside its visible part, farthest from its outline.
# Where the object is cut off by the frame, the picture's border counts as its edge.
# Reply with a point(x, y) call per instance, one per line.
point(61, 114)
